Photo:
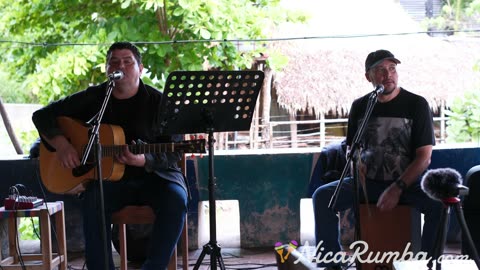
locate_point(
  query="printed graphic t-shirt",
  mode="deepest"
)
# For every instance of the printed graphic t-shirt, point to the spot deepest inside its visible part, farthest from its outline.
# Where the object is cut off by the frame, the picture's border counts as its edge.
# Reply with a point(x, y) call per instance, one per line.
point(395, 129)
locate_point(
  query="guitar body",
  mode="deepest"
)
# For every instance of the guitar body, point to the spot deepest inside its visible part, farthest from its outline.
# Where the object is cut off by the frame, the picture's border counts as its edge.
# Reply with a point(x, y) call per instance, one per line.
point(58, 179)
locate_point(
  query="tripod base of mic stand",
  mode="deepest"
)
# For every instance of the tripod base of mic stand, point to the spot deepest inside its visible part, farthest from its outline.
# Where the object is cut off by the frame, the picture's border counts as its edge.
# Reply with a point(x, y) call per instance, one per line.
point(212, 249)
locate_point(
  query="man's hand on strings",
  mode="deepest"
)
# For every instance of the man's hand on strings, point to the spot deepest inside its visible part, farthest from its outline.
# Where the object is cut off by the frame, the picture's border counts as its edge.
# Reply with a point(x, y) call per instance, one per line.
point(129, 158)
point(66, 154)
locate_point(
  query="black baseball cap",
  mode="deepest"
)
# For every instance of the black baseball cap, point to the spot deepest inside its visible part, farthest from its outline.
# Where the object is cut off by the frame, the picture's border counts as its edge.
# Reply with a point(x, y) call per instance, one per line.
point(374, 58)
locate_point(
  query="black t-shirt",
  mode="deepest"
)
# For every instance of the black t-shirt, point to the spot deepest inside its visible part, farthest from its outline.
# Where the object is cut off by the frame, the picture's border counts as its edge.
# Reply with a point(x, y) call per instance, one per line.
point(395, 130)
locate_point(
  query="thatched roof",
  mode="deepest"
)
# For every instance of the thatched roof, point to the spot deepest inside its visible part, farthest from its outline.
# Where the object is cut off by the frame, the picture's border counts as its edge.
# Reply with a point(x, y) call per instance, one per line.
point(325, 75)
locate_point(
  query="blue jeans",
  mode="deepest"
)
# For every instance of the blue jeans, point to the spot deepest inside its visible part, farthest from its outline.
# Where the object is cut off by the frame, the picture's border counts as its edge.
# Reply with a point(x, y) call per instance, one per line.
point(326, 219)
point(169, 201)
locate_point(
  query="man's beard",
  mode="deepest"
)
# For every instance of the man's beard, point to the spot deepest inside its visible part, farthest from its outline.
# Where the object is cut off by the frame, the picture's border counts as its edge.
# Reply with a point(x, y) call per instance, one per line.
point(387, 92)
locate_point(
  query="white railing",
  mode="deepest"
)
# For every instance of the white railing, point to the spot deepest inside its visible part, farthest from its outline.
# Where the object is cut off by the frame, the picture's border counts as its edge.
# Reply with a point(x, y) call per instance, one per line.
point(287, 134)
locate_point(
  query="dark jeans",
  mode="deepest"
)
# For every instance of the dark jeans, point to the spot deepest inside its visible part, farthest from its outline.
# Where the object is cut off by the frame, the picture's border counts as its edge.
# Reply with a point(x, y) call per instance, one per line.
point(326, 220)
point(169, 201)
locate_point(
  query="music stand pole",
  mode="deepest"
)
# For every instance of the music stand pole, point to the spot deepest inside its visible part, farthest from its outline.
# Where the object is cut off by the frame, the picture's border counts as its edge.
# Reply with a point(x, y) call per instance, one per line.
point(211, 248)
point(207, 102)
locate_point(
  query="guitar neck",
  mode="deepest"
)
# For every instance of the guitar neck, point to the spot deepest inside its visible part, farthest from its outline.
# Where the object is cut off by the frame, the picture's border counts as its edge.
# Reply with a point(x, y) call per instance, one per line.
point(191, 146)
point(112, 150)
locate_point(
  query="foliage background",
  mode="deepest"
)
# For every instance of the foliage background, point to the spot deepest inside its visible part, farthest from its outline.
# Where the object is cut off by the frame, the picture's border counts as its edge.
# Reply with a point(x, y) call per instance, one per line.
point(464, 119)
point(57, 47)
point(52, 48)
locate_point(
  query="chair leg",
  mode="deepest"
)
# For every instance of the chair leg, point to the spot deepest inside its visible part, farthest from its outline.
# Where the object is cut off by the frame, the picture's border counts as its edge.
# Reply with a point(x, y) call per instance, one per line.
point(185, 244)
point(172, 265)
point(122, 235)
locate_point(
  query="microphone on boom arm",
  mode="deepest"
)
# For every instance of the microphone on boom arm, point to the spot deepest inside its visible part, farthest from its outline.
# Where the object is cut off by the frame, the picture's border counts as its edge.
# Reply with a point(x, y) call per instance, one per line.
point(116, 75)
point(379, 89)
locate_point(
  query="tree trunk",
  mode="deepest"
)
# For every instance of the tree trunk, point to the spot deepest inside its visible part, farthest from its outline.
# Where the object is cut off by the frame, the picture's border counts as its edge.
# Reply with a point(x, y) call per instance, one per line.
point(8, 126)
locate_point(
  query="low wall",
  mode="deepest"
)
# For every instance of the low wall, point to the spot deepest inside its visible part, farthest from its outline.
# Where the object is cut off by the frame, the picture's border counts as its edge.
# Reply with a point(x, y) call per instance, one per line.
point(269, 188)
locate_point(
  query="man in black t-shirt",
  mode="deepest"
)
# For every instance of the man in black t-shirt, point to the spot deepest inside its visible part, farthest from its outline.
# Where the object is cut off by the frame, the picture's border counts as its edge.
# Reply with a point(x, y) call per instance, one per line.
point(396, 148)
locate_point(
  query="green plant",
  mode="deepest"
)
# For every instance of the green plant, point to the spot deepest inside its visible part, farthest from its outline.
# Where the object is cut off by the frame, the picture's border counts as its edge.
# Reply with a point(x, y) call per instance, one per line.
point(29, 228)
point(463, 124)
point(27, 138)
point(57, 47)
point(12, 91)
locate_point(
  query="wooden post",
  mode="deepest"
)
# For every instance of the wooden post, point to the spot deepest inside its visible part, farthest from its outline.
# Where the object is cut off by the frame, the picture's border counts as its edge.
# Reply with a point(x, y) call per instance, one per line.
point(8, 126)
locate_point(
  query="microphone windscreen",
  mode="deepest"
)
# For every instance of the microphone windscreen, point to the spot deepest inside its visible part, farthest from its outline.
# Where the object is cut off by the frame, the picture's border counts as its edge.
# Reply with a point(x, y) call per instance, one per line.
point(441, 183)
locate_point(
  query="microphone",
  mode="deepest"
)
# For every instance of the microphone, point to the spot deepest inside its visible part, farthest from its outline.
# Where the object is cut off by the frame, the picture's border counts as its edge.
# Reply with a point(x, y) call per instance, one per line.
point(116, 75)
point(440, 184)
point(379, 89)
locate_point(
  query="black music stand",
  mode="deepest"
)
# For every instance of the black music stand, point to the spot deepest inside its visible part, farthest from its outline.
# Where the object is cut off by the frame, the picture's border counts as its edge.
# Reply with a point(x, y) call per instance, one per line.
point(208, 102)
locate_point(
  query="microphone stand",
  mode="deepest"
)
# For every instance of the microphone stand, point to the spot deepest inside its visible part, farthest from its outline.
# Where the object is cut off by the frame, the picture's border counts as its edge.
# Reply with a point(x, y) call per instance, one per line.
point(94, 142)
point(353, 156)
point(441, 236)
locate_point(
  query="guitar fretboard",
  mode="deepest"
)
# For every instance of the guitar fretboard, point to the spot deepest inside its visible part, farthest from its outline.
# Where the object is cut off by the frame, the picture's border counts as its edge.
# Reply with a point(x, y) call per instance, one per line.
point(191, 146)
point(112, 150)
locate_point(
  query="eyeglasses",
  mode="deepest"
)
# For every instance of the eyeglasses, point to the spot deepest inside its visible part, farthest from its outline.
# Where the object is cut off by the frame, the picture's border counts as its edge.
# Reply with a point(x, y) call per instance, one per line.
point(385, 70)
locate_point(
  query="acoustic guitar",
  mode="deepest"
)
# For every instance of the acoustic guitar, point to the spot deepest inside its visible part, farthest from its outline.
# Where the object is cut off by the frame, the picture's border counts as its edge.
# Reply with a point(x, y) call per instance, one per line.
point(60, 180)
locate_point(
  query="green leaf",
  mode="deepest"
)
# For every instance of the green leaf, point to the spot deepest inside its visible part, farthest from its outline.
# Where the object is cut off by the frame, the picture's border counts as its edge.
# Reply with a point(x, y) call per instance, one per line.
point(205, 34)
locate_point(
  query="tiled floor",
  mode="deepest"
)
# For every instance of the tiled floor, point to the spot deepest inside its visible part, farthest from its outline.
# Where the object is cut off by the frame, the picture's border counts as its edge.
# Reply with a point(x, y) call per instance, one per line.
point(233, 258)
point(236, 258)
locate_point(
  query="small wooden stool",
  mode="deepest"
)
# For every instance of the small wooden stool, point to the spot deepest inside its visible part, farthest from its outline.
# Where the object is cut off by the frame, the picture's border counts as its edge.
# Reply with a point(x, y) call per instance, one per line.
point(47, 259)
point(145, 215)
point(133, 214)
point(388, 231)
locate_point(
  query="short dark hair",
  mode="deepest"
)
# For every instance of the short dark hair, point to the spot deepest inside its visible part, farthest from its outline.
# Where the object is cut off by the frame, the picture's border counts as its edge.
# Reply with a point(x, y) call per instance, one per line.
point(125, 45)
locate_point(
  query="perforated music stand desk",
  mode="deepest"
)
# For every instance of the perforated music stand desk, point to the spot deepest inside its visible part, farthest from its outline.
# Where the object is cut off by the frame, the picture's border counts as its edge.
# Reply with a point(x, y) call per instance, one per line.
point(195, 101)
point(207, 102)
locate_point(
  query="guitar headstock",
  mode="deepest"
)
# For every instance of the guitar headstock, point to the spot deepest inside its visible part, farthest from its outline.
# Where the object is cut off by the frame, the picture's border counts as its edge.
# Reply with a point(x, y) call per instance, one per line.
point(191, 146)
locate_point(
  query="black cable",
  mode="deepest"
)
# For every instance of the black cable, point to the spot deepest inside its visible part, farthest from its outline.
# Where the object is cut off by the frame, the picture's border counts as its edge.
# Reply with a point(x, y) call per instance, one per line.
point(42, 190)
point(22, 190)
point(35, 231)
point(44, 44)
point(253, 268)
point(17, 239)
